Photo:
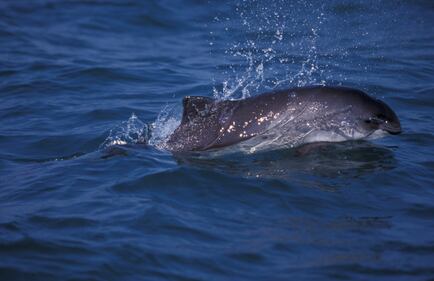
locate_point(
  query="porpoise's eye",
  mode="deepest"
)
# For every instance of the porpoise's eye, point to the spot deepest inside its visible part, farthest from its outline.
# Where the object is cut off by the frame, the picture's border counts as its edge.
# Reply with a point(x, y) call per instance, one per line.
point(381, 116)
point(373, 120)
point(377, 119)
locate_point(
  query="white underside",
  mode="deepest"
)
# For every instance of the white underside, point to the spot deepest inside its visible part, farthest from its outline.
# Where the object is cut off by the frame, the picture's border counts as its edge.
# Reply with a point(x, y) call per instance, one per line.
point(278, 141)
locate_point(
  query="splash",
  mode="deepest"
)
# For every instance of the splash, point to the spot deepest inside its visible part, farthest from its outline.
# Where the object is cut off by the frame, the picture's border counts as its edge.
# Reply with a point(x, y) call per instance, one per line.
point(276, 48)
point(132, 131)
point(135, 131)
point(167, 121)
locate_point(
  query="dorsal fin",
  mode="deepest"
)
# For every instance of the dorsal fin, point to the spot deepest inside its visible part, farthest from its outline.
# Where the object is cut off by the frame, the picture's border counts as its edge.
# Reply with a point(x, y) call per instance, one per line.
point(195, 105)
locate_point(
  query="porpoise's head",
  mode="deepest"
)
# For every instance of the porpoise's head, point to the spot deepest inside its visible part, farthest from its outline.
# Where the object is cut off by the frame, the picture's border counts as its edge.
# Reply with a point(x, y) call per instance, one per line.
point(366, 117)
point(378, 116)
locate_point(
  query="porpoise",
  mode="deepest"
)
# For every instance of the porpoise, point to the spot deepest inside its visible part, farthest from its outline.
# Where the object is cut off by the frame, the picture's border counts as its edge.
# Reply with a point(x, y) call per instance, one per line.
point(282, 118)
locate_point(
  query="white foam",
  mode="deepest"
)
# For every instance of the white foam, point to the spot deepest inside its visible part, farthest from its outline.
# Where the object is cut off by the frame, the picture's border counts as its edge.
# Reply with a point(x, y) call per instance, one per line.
point(167, 121)
point(131, 131)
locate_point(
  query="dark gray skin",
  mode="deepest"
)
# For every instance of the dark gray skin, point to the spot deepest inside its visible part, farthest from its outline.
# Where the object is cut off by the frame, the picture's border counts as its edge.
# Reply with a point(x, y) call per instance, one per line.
point(283, 118)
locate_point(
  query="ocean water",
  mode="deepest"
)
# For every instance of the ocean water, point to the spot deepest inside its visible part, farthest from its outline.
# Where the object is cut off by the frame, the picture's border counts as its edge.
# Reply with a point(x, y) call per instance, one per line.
point(89, 90)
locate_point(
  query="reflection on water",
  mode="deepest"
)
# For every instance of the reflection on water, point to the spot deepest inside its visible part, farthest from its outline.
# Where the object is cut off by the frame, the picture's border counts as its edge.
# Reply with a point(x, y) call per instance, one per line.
point(348, 159)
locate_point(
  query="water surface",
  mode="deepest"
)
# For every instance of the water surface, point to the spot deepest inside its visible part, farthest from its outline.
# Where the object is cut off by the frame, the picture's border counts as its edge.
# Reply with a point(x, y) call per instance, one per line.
point(80, 199)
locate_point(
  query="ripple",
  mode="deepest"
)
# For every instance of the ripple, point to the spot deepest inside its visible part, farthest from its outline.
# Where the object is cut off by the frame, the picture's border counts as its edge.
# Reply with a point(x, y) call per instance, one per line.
point(101, 73)
point(62, 222)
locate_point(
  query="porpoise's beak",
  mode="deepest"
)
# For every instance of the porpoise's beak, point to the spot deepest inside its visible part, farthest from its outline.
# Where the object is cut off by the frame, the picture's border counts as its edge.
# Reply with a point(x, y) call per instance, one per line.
point(392, 127)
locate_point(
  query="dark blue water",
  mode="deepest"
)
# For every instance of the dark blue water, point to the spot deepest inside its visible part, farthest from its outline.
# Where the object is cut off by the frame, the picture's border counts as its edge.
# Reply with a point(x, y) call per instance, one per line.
point(82, 83)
